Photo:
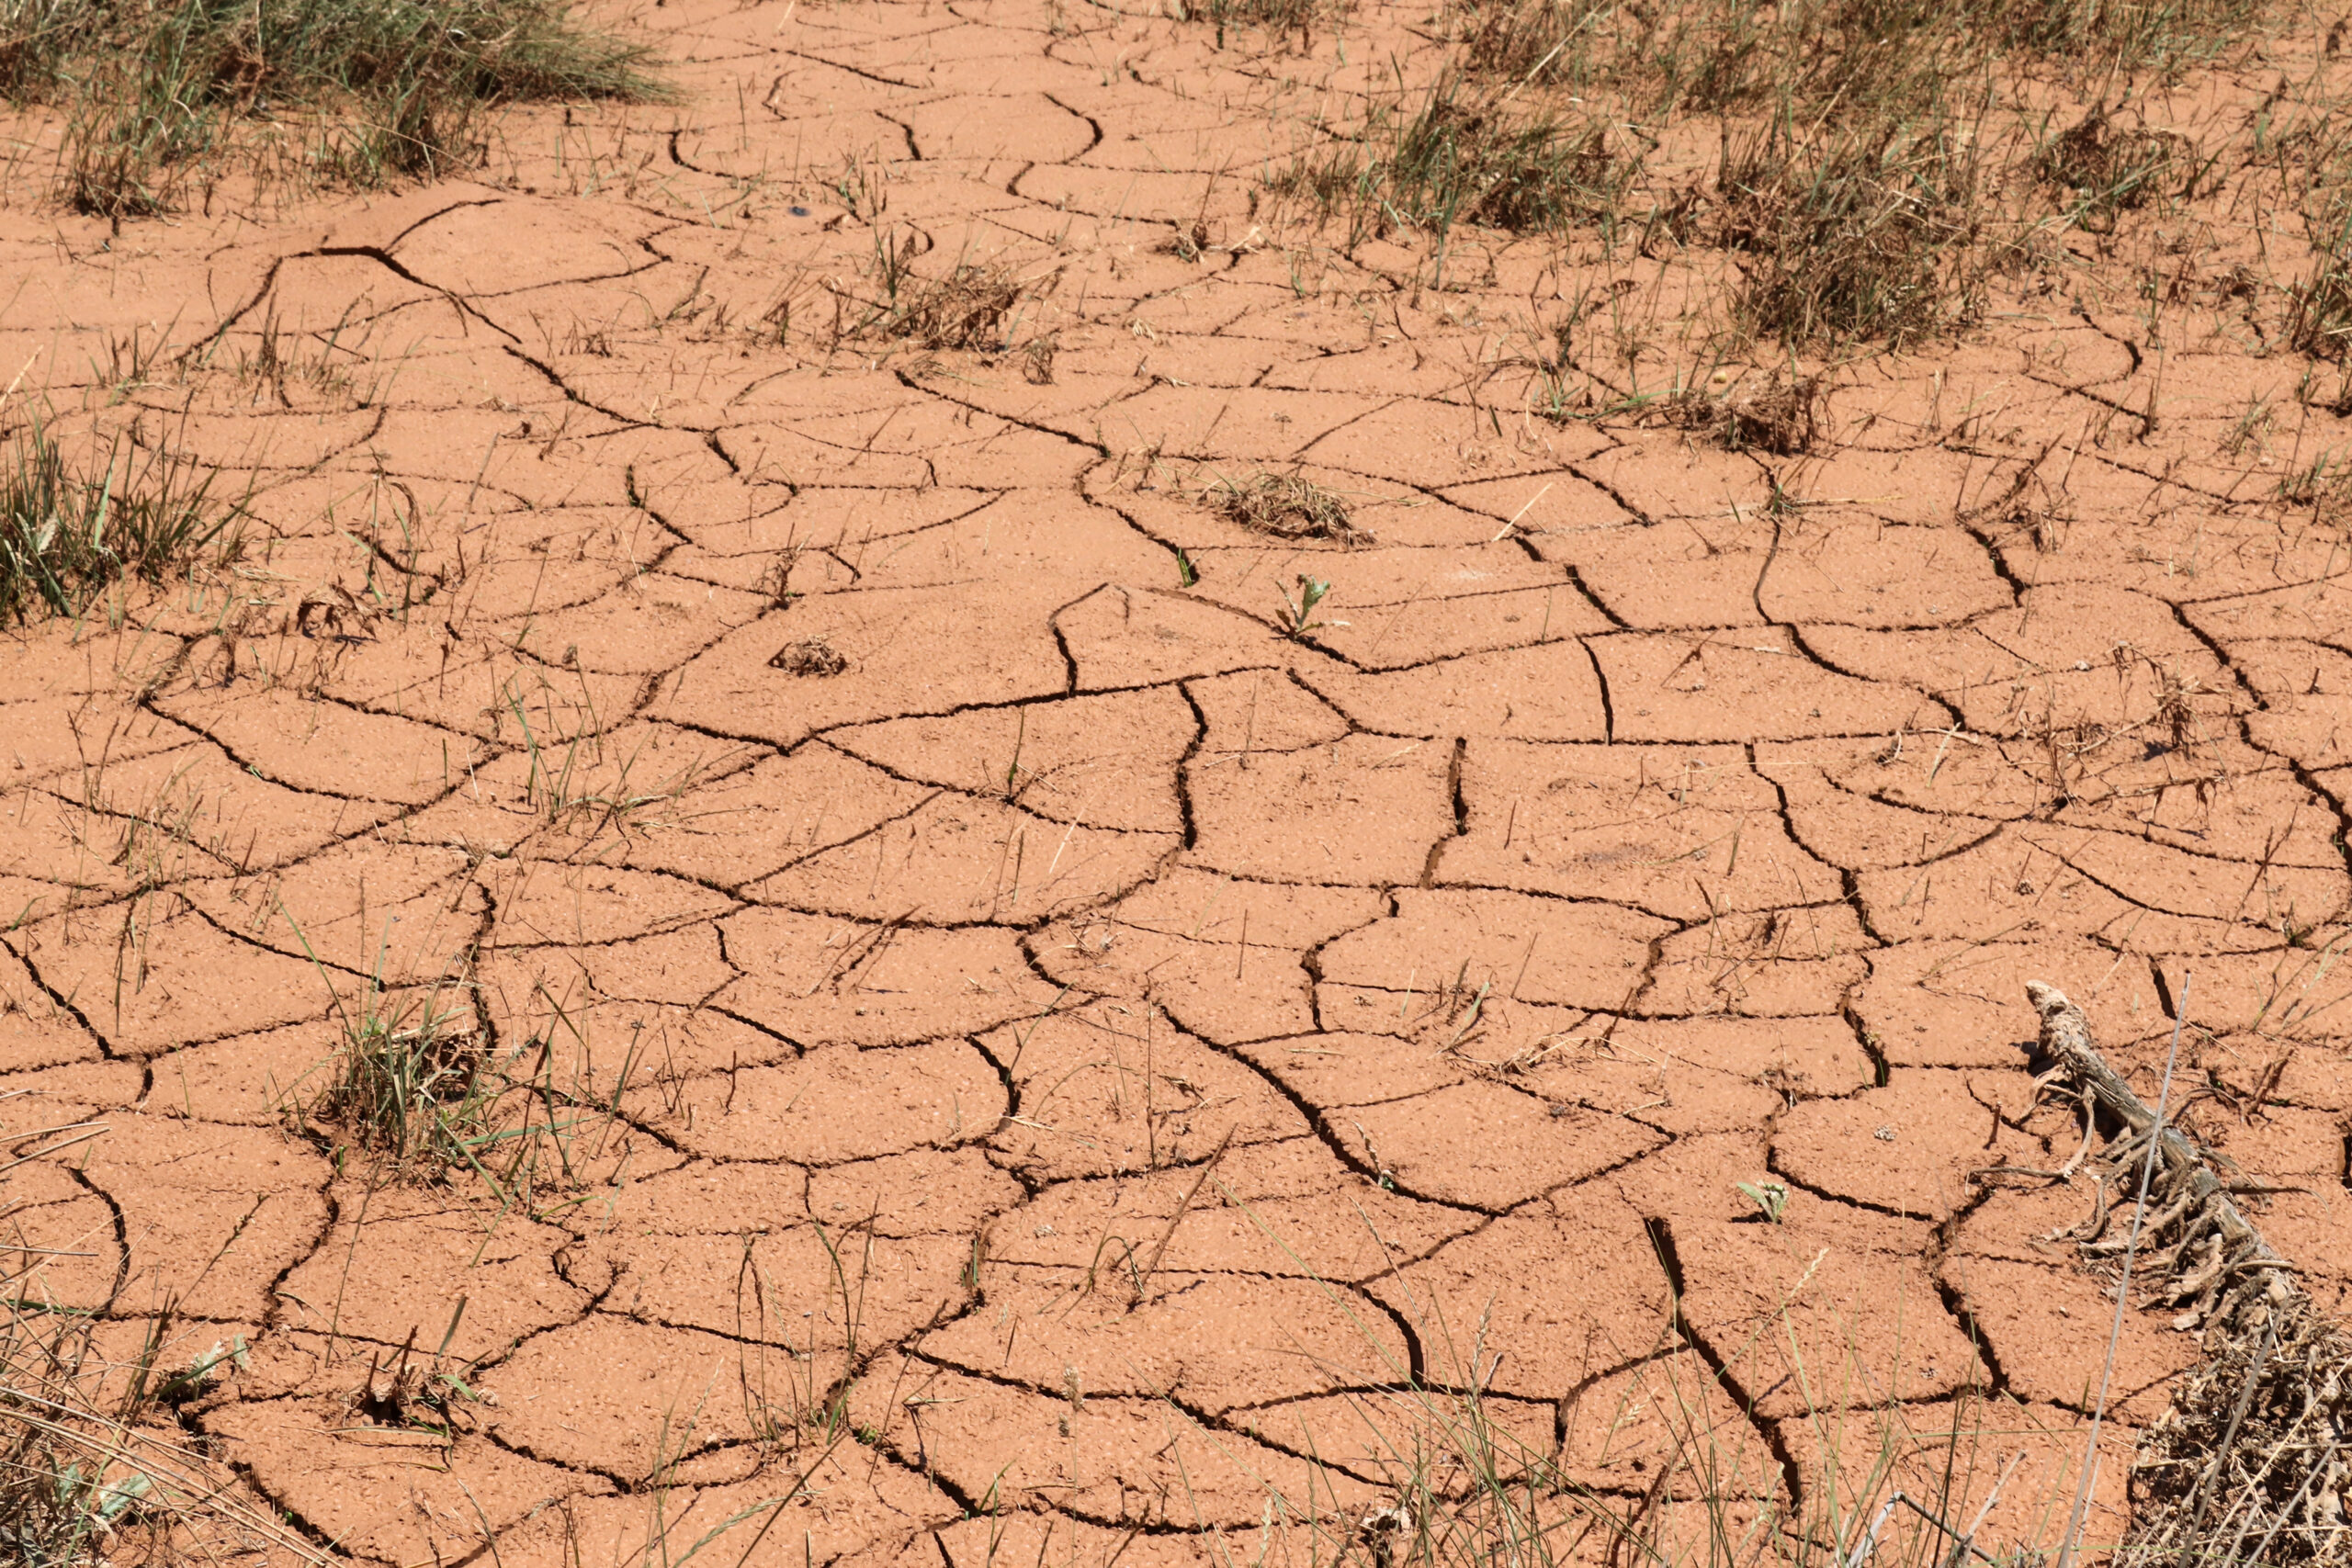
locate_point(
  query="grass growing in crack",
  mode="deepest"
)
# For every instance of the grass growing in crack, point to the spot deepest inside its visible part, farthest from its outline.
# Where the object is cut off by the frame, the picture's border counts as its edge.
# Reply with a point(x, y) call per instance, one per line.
point(2320, 322)
point(2324, 487)
point(1859, 1478)
point(808, 1400)
point(87, 1472)
point(590, 785)
point(155, 89)
point(292, 366)
point(417, 1084)
point(68, 529)
point(1866, 233)
point(1285, 506)
point(412, 1081)
point(1461, 156)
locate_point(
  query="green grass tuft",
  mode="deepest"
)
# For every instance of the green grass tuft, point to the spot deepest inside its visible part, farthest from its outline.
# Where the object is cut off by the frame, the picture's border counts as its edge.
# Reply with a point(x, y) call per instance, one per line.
point(2321, 322)
point(157, 89)
point(1869, 233)
point(1461, 156)
point(67, 533)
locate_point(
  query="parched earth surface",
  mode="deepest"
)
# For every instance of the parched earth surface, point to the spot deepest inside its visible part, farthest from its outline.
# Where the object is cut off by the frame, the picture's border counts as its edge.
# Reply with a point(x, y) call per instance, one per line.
point(1031, 1058)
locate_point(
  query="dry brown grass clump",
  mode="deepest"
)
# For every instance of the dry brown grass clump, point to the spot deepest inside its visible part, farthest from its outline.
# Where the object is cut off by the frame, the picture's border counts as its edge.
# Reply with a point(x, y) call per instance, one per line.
point(1712, 55)
point(1781, 414)
point(813, 655)
point(2111, 168)
point(1283, 506)
point(1527, 40)
point(2247, 1464)
point(968, 309)
point(89, 1473)
point(1871, 232)
point(973, 307)
point(93, 1466)
point(1460, 154)
point(1279, 18)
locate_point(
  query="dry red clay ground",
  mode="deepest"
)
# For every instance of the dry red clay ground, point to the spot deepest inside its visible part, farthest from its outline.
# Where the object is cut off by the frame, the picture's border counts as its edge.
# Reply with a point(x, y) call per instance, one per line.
point(1031, 1056)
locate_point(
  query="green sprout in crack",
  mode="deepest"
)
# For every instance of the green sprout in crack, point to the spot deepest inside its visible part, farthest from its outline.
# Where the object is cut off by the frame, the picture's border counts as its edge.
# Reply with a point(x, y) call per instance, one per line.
point(1771, 1197)
point(199, 1376)
point(1298, 609)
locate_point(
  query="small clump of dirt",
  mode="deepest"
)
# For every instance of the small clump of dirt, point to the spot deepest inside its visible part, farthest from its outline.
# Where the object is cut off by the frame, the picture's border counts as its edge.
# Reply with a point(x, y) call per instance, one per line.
point(1190, 243)
point(1783, 415)
point(813, 655)
point(1285, 506)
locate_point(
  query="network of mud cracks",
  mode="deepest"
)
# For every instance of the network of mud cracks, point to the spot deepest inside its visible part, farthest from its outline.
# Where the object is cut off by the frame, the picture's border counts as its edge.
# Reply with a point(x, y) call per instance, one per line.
point(1011, 995)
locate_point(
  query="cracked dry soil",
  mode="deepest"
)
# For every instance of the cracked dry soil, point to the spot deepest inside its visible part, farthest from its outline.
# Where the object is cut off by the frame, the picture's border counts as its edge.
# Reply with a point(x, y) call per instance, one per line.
point(1006, 994)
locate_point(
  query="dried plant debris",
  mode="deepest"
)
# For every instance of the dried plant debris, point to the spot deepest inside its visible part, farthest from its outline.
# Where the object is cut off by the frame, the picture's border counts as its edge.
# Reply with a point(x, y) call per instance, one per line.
point(1190, 242)
point(1461, 156)
point(2034, 508)
point(2249, 1464)
point(1863, 232)
point(1037, 359)
point(2112, 168)
point(967, 309)
point(811, 656)
point(1781, 414)
point(93, 1469)
point(974, 305)
point(1276, 17)
point(2320, 322)
point(1285, 506)
point(1523, 40)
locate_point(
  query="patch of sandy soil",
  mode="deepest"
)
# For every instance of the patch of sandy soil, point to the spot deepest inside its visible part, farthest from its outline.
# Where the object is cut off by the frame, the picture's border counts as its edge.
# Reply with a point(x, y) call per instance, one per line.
point(1033, 1057)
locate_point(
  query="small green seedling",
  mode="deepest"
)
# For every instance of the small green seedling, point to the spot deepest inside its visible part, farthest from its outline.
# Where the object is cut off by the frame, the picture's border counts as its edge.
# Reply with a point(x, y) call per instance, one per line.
point(200, 1375)
point(1298, 610)
point(1769, 1196)
point(114, 1502)
point(1187, 573)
